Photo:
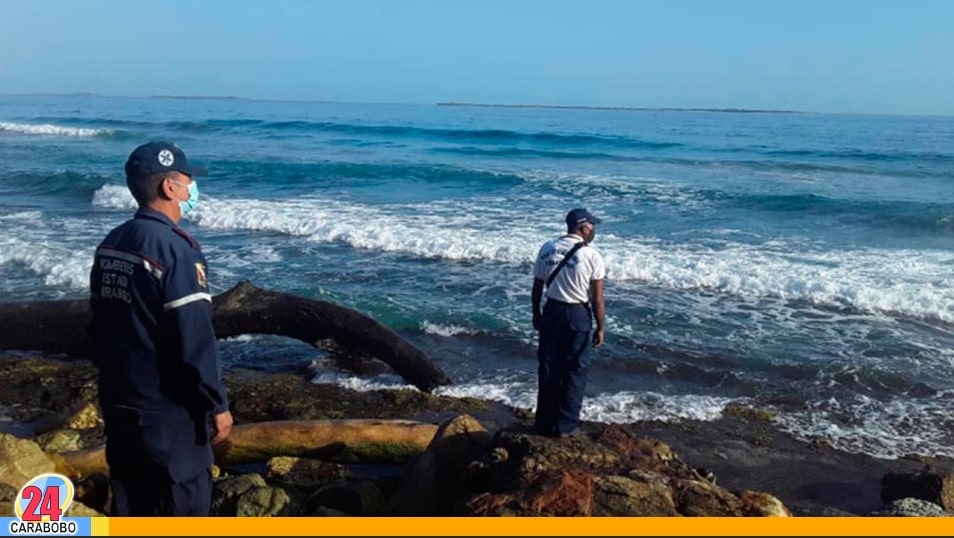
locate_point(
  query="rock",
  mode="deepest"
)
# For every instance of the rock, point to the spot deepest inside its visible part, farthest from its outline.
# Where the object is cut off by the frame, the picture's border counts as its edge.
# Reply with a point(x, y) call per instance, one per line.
point(21, 460)
point(703, 498)
point(552, 493)
point(933, 487)
point(8, 494)
point(93, 491)
point(226, 492)
point(608, 473)
point(357, 498)
point(78, 509)
point(640, 449)
point(910, 507)
point(263, 501)
point(432, 481)
point(322, 511)
point(86, 417)
point(757, 503)
point(304, 472)
point(622, 496)
point(60, 441)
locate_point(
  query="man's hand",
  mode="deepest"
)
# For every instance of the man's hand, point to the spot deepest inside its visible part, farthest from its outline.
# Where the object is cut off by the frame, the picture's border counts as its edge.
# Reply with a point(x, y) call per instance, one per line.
point(598, 338)
point(537, 322)
point(223, 426)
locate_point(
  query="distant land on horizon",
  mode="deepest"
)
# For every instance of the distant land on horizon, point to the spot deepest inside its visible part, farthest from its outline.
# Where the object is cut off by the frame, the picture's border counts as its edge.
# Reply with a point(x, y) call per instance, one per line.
point(739, 110)
point(634, 108)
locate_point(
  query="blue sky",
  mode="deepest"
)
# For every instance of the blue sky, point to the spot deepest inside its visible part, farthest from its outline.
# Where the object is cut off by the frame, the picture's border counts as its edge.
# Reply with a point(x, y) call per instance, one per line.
point(827, 56)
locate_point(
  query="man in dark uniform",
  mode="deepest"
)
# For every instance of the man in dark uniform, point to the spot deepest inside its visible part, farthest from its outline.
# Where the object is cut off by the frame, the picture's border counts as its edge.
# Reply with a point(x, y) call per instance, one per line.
point(570, 272)
point(160, 378)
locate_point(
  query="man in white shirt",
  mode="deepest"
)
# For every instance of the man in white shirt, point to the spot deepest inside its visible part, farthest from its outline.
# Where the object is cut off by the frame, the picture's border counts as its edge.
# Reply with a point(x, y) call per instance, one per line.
point(570, 272)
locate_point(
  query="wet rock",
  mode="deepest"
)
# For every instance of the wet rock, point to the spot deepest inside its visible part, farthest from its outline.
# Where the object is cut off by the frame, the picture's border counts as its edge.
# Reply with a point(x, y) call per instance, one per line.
point(303, 472)
point(226, 492)
point(433, 478)
point(21, 460)
point(911, 507)
point(937, 488)
point(44, 389)
point(60, 441)
point(356, 498)
point(86, 417)
point(263, 501)
point(257, 397)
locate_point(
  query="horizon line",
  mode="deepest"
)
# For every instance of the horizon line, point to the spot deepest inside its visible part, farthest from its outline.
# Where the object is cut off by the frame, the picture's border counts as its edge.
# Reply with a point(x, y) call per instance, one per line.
point(738, 110)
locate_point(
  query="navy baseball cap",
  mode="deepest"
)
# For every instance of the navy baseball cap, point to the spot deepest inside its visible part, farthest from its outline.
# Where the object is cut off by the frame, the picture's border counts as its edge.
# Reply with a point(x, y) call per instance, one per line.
point(580, 216)
point(162, 156)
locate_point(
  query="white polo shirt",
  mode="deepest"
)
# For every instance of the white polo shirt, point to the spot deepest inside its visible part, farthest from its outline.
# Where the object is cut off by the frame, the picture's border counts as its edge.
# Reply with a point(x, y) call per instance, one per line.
point(572, 284)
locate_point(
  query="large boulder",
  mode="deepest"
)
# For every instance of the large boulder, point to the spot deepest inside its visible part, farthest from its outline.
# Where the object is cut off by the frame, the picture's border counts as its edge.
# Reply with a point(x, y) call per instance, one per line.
point(433, 477)
point(21, 460)
point(603, 473)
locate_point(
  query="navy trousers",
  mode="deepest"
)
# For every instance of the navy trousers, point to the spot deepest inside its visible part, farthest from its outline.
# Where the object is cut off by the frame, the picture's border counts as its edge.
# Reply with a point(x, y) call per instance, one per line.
point(563, 355)
point(158, 464)
point(151, 493)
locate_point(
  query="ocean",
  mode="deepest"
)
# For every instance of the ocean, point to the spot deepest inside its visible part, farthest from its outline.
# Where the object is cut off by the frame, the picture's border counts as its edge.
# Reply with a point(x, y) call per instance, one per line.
point(796, 262)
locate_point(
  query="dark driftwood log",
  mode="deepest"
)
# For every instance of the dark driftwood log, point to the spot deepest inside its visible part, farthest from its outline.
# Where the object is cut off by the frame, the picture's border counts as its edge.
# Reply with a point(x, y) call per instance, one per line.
point(59, 327)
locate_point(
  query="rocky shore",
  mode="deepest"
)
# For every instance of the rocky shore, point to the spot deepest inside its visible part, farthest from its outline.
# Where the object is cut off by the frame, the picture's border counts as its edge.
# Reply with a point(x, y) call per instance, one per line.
point(301, 456)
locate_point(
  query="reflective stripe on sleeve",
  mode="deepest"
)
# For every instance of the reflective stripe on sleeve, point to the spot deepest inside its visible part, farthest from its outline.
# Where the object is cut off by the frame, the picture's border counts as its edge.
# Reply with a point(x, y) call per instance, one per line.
point(186, 300)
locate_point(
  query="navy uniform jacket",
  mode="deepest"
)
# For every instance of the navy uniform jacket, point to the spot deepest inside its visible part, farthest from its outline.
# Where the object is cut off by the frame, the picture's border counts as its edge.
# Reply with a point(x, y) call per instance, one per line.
point(155, 347)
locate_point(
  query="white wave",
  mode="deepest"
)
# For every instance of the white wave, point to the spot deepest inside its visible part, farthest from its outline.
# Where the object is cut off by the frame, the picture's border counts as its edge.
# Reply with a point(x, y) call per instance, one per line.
point(618, 408)
point(891, 429)
point(625, 407)
point(362, 384)
point(50, 129)
point(914, 283)
point(430, 232)
point(56, 263)
point(115, 197)
point(445, 330)
point(519, 394)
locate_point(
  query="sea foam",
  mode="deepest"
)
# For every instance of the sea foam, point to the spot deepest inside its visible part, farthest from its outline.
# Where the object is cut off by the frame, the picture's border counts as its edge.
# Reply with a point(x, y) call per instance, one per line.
point(50, 129)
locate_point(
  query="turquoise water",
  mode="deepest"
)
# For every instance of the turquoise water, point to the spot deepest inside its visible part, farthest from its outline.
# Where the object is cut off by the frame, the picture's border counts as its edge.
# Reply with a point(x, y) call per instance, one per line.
point(799, 262)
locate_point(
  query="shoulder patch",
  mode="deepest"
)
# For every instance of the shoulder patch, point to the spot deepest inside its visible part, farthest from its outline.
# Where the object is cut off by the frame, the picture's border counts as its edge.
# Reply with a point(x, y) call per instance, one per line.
point(200, 275)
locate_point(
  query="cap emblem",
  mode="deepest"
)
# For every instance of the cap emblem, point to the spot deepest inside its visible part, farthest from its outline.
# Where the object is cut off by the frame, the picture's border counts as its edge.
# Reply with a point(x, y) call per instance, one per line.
point(165, 158)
